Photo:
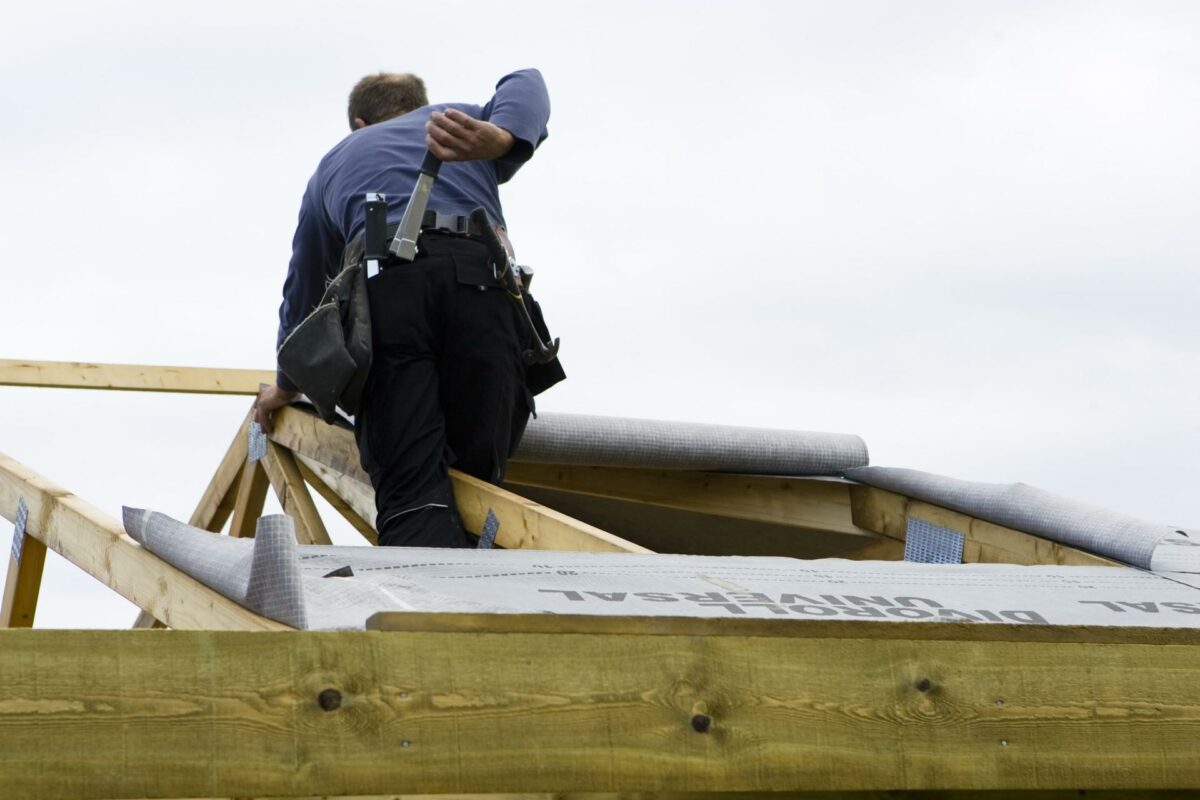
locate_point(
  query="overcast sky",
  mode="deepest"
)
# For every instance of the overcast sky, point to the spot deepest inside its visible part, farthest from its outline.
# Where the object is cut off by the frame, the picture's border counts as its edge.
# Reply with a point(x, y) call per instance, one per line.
point(964, 231)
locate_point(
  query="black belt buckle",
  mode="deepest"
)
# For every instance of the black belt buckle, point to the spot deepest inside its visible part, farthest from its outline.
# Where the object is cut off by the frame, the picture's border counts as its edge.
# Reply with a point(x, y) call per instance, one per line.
point(455, 224)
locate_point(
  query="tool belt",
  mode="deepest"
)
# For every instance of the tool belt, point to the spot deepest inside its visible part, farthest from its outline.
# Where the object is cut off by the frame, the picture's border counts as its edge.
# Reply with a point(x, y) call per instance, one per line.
point(452, 224)
point(328, 355)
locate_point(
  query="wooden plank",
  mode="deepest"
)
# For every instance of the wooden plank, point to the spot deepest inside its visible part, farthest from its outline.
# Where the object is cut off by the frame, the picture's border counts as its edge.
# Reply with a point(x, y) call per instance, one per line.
point(523, 523)
point(985, 794)
point(354, 501)
point(526, 525)
point(284, 474)
point(886, 513)
point(212, 714)
point(1062, 794)
point(774, 627)
point(331, 445)
point(882, 549)
point(22, 583)
point(98, 545)
point(817, 505)
point(146, 621)
point(217, 502)
point(130, 377)
point(251, 494)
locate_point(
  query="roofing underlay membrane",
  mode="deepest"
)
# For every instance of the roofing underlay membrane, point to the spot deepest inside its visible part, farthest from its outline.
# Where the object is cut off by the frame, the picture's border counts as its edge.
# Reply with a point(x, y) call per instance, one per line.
point(1031, 510)
point(324, 587)
point(291, 583)
point(586, 440)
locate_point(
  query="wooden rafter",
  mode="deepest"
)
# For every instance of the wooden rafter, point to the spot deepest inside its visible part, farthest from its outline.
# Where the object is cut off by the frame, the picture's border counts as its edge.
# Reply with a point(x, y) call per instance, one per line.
point(288, 483)
point(523, 523)
point(884, 548)
point(217, 503)
point(248, 505)
point(22, 583)
point(820, 505)
point(354, 501)
point(887, 513)
point(628, 705)
point(129, 377)
point(98, 545)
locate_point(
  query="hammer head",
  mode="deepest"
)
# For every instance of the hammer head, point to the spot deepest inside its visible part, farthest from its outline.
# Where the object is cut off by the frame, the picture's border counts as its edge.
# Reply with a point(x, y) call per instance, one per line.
point(540, 353)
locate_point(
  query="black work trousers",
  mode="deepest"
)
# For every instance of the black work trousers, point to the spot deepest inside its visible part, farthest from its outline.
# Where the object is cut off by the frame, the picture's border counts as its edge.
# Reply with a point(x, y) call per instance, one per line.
point(446, 388)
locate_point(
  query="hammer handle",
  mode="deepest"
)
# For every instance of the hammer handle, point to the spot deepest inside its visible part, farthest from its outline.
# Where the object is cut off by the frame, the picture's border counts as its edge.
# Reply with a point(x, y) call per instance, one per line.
point(431, 165)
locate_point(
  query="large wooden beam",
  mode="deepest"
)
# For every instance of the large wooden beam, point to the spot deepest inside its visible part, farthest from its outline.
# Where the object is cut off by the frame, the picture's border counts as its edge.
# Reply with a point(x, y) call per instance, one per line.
point(814, 504)
point(523, 523)
point(98, 545)
point(724, 705)
point(887, 513)
point(131, 377)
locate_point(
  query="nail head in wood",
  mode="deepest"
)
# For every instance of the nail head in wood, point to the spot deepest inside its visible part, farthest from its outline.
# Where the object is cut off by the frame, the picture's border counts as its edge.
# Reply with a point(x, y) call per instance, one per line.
point(330, 699)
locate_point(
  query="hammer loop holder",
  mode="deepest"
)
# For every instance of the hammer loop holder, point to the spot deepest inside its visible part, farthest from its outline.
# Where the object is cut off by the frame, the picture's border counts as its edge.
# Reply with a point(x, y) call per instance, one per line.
point(508, 275)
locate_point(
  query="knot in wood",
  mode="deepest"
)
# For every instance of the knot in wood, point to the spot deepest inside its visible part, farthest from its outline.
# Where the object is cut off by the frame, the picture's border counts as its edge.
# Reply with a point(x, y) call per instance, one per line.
point(701, 723)
point(924, 685)
point(330, 699)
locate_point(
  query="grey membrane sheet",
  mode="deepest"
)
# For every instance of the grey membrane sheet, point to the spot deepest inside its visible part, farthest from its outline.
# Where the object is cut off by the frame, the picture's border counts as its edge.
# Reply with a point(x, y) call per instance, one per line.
point(280, 579)
point(655, 444)
point(1025, 508)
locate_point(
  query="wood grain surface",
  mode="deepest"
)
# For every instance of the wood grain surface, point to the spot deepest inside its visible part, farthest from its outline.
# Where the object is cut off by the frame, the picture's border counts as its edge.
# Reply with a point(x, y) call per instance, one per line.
point(117, 714)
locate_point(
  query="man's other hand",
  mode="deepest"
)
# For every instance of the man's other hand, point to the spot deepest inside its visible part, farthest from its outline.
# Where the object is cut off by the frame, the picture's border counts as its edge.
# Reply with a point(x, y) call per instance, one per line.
point(454, 136)
point(270, 399)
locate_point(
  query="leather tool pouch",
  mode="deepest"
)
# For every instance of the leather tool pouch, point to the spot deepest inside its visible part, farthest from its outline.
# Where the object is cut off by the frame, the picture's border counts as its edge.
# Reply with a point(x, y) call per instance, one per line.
point(328, 355)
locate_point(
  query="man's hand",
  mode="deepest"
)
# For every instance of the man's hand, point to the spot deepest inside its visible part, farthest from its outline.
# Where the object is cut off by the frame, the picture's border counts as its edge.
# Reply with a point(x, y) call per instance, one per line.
point(271, 399)
point(455, 136)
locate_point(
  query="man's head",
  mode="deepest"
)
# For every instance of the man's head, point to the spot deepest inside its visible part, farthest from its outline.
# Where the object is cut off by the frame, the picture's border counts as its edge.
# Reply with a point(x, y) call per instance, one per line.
point(383, 96)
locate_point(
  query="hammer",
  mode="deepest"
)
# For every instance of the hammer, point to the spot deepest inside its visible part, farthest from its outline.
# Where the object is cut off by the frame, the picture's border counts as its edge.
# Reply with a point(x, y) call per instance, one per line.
point(509, 275)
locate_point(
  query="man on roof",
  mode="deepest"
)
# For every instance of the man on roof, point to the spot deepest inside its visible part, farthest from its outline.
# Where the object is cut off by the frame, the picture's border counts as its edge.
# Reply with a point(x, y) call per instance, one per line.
point(448, 386)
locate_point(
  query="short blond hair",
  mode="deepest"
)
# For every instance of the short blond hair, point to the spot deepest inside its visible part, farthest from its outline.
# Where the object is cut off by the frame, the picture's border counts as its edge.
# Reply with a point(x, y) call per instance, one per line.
point(385, 95)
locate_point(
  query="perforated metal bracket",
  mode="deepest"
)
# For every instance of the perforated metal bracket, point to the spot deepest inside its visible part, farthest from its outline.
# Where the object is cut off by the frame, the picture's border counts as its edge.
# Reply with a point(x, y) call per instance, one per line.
point(926, 543)
point(258, 443)
point(18, 540)
point(491, 526)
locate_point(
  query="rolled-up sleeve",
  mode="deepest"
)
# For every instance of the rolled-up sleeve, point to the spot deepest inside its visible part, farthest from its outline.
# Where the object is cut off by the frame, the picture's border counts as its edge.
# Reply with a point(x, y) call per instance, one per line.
point(521, 105)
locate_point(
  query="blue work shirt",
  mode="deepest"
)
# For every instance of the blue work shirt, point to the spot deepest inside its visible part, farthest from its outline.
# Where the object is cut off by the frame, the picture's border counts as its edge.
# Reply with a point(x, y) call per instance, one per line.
point(386, 157)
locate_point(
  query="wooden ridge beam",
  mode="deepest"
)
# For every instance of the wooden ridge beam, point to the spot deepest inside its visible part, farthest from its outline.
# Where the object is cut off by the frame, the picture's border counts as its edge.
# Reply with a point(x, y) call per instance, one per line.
point(523, 523)
point(132, 377)
point(886, 513)
point(407, 712)
point(98, 545)
point(821, 505)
